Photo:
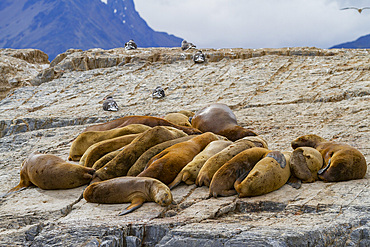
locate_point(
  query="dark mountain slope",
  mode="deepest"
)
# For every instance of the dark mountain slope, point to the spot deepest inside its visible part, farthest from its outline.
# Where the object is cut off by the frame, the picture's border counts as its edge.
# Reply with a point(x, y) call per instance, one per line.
point(55, 26)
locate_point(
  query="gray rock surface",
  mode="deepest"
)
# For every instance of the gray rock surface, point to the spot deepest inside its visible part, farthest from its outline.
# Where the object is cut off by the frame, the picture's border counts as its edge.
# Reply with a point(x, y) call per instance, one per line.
point(279, 93)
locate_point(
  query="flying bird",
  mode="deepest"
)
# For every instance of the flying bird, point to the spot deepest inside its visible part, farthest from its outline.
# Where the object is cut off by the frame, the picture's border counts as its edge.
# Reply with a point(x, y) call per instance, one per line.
point(358, 9)
point(109, 104)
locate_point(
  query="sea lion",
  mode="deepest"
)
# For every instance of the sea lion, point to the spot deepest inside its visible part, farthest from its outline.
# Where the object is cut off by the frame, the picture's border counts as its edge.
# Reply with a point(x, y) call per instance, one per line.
point(219, 119)
point(106, 158)
point(142, 161)
point(216, 161)
point(223, 180)
point(257, 141)
point(97, 150)
point(178, 118)
point(49, 172)
point(120, 164)
point(145, 120)
point(129, 189)
point(305, 162)
point(189, 173)
point(341, 161)
point(187, 113)
point(167, 164)
point(269, 174)
point(86, 139)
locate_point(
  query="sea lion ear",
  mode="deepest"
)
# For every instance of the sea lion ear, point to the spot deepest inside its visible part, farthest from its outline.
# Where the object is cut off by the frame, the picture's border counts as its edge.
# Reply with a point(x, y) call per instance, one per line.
point(135, 204)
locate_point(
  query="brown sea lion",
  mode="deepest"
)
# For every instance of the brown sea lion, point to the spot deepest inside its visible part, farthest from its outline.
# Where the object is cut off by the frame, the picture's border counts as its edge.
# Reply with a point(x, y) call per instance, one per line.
point(167, 164)
point(219, 119)
point(86, 139)
point(257, 141)
point(49, 172)
point(142, 161)
point(269, 174)
point(106, 158)
point(189, 173)
point(146, 120)
point(120, 164)
point(305, 162)
point(223, 180)
point(178, 118)
point(216, 161)
point(341, 161)
point(129, 189)
point(98, 150)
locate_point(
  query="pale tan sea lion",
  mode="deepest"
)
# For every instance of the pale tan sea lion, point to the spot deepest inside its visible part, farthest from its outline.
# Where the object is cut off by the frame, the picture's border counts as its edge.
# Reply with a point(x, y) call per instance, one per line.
point(129, 189)
point(146, 120)
point(142, 161)
point(86, 139)
point(49, 172)
point(341, 161)
point(305, 162)
point(167, 164)
point(120, 164)
point(98, 150)
point(223, 180)
point(219, 119)
point(187, 113)
point(269, 174)
point(178, 118)
point(216, 161)
point(257, 141)
point(189, 173)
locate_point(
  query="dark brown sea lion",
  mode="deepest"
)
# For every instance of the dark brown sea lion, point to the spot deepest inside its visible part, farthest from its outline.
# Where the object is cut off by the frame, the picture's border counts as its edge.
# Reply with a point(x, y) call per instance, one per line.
point(142, 161)
point(341, 161)
point(98, 150)
point(214, 163)
point(305, 162)
point(223, 180)
point(120, 164)
point(189, 173)
point(219, 119)
point(146, 120)
point(269, 174)
point(86, 139)
point(49, 172)
point(167, 164)
point(129, 189)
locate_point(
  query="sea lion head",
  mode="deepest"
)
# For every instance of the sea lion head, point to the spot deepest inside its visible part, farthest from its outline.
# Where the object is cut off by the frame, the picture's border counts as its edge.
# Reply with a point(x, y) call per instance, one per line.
point(307, 141)
point(161, 193)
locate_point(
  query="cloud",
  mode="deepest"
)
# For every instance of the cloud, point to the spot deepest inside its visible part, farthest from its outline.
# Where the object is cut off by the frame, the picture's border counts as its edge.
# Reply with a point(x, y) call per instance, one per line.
point(256, 24)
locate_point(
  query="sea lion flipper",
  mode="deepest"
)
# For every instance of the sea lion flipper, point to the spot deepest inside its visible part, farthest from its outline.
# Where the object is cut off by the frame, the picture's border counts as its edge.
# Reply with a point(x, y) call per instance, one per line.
point(176, 181)
point(321, 171)
point(17, 188)
point(295, 182)
point(135, 204)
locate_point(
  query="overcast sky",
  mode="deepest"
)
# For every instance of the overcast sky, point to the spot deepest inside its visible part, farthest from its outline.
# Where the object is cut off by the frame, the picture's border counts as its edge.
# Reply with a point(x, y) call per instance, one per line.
point(258, 23)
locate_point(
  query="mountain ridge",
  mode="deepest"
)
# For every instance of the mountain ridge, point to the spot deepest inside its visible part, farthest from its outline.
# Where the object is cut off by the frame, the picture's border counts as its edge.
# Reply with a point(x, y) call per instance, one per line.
point(56, 26)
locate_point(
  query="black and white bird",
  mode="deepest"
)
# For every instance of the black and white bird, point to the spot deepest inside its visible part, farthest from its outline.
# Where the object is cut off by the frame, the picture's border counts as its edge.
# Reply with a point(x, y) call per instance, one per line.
point(199, 57)
point(109, 104)
point(158, 93)
point(187, 45)
point(358, 9)
point(130, 45)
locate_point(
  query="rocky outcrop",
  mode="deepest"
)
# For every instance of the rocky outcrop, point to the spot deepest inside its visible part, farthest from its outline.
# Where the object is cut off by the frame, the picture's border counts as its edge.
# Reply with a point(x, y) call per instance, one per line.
point(18, 67)
point(279, 93)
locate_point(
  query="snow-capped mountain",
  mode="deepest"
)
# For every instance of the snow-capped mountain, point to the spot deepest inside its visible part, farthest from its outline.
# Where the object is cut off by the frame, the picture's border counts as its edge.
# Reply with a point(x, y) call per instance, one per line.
point(55, 26)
